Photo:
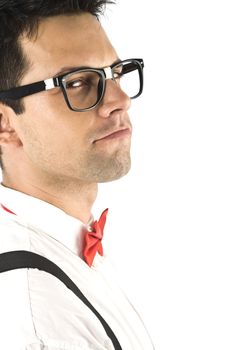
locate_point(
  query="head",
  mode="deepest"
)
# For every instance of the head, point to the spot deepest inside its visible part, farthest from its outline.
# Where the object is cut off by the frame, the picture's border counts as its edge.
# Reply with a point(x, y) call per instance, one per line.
point(40, 133)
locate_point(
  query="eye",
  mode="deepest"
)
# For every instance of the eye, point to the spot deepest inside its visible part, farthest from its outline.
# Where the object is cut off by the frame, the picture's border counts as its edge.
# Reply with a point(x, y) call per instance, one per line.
point(118, 74)
point(76, 83)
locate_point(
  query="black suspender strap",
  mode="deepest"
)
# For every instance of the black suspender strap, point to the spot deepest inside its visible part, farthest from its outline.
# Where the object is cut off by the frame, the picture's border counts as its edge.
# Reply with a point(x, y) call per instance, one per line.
point(20, 259)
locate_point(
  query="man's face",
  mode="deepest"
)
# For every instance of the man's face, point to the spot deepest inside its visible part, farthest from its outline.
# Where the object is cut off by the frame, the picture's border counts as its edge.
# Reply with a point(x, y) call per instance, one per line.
point(56, 141)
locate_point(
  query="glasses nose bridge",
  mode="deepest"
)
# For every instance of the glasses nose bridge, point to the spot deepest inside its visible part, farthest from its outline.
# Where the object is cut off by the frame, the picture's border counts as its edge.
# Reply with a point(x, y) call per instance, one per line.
point(108, 73)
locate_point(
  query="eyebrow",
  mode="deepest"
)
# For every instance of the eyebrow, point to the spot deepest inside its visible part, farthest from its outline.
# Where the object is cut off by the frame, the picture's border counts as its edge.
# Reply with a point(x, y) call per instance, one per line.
point(67, 69)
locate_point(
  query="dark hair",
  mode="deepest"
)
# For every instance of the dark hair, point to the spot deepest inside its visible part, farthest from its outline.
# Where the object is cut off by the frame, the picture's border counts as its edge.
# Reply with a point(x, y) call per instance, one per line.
point(19, 17)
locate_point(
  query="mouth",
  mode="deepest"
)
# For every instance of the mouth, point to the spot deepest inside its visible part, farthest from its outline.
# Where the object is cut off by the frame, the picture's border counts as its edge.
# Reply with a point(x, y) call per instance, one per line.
point(121, 133)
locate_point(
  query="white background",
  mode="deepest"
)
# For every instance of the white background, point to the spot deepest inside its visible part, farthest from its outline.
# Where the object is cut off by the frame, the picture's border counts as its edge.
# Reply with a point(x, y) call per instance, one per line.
point(170, 219)
point(169, 229)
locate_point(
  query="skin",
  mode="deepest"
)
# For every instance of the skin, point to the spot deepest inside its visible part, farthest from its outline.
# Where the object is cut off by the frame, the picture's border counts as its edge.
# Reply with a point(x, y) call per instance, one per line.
point(51, 152)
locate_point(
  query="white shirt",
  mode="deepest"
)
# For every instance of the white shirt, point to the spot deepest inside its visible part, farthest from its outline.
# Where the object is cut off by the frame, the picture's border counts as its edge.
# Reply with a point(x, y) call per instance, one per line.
point(37, 311)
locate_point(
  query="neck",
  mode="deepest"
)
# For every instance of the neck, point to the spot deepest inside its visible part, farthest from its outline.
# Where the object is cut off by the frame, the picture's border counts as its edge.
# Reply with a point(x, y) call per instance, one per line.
point(75, 197)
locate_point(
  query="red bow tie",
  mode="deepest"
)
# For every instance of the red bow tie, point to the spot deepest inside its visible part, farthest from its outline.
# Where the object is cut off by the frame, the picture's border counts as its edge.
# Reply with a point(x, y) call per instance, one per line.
point(93, 238)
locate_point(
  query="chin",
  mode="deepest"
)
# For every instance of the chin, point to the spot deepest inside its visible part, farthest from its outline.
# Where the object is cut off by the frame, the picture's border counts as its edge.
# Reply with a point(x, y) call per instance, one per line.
point(100, 169)
point(116, 173)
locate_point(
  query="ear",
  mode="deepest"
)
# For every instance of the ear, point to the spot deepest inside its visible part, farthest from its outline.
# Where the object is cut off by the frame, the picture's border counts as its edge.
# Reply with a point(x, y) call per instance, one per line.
point(8, 135)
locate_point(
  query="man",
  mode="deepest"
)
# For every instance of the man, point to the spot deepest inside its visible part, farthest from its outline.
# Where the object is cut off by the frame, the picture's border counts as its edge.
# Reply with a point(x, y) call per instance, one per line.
point(64, 127)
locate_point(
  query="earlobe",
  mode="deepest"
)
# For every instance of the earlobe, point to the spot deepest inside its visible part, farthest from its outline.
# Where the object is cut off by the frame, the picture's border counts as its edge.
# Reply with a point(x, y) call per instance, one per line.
point(8, 135)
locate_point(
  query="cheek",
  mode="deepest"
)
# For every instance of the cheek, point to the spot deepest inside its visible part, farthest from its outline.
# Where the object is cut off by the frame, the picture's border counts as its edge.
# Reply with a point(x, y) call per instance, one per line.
point(50, 128)
point(46, 106)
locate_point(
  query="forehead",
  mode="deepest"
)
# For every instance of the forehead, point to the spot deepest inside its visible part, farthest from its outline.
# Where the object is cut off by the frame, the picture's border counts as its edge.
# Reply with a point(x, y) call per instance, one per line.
point(67, 41)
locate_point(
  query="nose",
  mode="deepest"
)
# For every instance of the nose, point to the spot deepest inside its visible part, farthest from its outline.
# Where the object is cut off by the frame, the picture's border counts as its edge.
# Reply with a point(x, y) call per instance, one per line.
point(114, 100)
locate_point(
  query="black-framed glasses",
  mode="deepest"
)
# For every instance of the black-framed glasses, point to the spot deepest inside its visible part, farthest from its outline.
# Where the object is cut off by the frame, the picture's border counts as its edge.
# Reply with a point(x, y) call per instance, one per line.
point(83, 88)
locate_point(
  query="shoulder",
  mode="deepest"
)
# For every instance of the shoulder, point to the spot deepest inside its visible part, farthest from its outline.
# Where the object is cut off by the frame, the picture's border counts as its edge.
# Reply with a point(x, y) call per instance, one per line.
point(13, 234)
point(15, 317)
point(16, 322)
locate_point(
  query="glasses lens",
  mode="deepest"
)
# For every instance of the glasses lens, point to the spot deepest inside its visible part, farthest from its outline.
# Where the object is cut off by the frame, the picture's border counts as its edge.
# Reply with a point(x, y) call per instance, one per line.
point(129, 76)
point(83, 88)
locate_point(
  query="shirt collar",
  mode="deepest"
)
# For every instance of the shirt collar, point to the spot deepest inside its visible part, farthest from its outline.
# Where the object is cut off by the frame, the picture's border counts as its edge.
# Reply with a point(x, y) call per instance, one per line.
point(37, 214)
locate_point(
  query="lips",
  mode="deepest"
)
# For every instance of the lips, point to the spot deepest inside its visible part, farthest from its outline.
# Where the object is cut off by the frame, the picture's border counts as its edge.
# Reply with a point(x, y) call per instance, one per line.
point(115, 134)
